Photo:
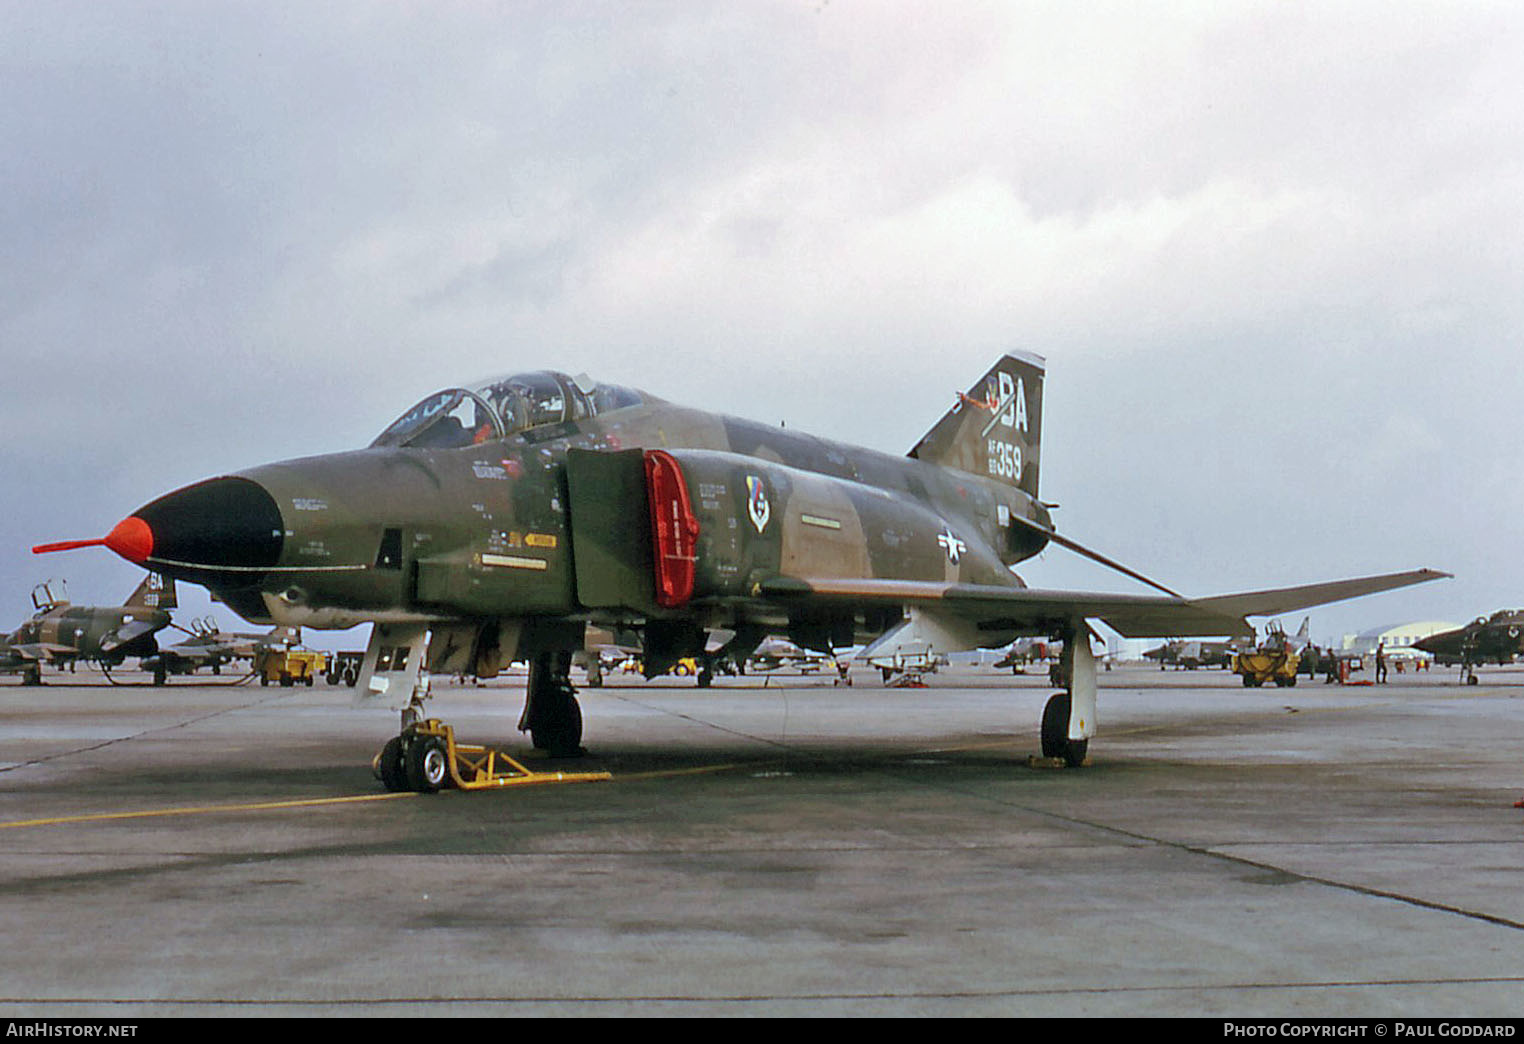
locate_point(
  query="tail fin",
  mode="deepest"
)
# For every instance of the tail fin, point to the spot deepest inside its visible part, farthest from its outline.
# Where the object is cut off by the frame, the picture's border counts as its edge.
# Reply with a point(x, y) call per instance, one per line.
point(996, 428)
point(155, 592)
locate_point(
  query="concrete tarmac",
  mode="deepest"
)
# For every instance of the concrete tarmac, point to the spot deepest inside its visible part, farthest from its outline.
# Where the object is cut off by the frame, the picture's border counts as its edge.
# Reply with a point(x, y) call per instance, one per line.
point(793, 849)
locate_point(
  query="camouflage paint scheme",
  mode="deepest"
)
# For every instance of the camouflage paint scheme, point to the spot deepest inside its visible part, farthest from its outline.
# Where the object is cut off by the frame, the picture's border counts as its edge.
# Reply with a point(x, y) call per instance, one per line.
point(506, 517)
point(61, 634)
point(1498, 638)
point(1191, 655)
point(207, 646)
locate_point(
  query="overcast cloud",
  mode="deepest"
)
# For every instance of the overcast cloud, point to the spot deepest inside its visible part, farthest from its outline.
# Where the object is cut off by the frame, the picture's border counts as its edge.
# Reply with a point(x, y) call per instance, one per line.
point(1271, 251)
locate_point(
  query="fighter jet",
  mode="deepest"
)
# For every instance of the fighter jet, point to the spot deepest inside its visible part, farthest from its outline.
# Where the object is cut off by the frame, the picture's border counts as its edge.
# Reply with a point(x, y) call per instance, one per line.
point(1024, 651)
point(1498, 638)
point(209, 646)
point(776, 654)
point(60, 634)
point(1190, 655)
point(492, 522)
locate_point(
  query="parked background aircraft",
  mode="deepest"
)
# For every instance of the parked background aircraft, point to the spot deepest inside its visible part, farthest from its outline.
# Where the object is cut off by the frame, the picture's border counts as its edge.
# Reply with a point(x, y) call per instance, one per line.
point(1189, 655)
point(775, 654)
point(1025, 651)
point(1498, 638)
point(208, 646)
point(61, 634)
point(493, 522)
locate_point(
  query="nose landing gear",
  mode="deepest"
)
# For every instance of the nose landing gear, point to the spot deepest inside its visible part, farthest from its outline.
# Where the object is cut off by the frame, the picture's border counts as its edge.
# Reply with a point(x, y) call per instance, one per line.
point(426, 759)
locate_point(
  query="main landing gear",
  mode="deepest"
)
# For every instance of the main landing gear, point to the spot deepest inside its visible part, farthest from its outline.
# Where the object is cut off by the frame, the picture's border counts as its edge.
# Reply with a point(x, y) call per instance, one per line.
point(1055, 732)
point(552, 716)
point(1068, 719)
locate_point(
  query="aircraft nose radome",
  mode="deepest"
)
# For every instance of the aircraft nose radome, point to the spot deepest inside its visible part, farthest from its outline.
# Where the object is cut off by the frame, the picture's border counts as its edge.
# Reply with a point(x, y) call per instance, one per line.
point(132, 539)
point(222, 522)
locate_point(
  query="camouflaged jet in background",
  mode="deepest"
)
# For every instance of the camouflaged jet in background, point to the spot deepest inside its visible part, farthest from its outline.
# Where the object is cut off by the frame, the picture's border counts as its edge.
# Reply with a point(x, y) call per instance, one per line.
point(60, 634)
point(1498, 638)
point(206, 645)
point(1191, 655)
point(495, 522)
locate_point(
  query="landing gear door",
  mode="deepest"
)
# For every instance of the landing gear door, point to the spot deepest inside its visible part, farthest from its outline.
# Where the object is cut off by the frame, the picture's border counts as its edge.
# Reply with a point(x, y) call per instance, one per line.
point(611, 529)
point(393, 666)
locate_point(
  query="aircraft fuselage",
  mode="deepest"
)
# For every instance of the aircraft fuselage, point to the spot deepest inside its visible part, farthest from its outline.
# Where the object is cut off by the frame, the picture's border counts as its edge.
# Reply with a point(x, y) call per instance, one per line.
point(487, 529)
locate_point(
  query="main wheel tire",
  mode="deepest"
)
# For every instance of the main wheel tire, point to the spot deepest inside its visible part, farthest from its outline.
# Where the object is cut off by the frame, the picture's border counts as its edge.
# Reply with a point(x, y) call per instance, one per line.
point(559, 731)
point(1055, 732)
point(428, 764)
point(388, 766)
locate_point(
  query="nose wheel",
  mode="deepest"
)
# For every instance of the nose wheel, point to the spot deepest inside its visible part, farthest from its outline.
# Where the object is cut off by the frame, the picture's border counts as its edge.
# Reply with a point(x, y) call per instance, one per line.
point(426, 759)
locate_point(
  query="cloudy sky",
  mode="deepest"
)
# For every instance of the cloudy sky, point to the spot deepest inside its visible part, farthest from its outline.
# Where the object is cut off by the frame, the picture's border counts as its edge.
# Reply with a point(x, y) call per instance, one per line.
point(1273, 253)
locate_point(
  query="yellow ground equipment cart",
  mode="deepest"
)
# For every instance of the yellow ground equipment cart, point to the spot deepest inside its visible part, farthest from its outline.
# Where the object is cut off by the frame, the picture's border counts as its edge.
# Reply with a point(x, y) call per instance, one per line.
point(426, 758)
point(289, 667)
point(1270, 664)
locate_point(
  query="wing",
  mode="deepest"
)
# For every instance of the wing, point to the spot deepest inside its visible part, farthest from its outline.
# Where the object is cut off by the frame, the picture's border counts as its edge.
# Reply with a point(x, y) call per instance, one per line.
point(43, 650)
point(1025, 610)
point(192, 654)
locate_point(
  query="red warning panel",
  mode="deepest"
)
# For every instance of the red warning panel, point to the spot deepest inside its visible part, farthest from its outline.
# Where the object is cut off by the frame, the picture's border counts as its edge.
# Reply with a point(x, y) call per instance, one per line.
point(674, 529)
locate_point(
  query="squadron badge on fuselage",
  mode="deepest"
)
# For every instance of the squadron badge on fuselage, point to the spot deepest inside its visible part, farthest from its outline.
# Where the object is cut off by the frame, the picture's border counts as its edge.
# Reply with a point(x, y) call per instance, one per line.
point(756, 502)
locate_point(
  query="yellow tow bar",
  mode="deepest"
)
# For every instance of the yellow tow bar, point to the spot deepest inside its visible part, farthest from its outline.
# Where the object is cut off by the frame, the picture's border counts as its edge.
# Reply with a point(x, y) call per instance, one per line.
point(426, 758)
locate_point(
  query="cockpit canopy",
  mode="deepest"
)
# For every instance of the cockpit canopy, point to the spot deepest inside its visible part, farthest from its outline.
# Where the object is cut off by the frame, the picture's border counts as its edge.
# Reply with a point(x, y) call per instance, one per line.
point(502, 407)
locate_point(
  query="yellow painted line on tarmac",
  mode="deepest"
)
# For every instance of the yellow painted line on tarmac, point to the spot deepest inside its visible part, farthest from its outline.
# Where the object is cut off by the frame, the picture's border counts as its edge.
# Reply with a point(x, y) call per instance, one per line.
point(271, 806)
point(197, 810)
point(697, 770)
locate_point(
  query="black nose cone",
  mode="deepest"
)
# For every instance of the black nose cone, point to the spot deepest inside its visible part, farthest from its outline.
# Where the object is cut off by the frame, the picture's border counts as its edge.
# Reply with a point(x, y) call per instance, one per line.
point(221, 527)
